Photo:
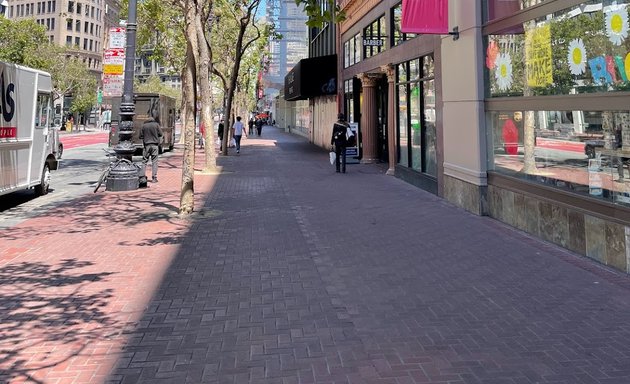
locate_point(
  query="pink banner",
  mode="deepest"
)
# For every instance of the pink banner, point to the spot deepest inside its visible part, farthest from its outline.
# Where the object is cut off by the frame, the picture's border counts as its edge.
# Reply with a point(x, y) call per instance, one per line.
point(425, 16)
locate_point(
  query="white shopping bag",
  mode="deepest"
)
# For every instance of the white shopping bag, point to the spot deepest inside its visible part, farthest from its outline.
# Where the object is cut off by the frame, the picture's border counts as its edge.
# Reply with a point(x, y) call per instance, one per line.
point(232, 143)
point(333, 156)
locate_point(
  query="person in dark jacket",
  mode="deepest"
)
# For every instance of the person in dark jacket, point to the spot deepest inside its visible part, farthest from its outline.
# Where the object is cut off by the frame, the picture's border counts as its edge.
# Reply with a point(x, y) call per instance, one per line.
point(338, 139)
point(151, 136)
point(250, 125)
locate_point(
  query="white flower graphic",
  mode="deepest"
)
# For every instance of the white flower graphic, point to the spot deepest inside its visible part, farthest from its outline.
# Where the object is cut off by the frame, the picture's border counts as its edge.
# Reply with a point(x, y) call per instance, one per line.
point(503, 72)
point(577, 57)
point(617, 24)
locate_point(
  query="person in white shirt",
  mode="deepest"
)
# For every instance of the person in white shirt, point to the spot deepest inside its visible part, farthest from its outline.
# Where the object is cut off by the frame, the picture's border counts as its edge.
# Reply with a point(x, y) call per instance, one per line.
point(237, 132)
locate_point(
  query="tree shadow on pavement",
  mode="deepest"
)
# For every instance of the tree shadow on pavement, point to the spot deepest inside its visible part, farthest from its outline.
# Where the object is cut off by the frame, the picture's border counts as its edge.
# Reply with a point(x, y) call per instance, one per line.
point(93, 213)
point(42, 303)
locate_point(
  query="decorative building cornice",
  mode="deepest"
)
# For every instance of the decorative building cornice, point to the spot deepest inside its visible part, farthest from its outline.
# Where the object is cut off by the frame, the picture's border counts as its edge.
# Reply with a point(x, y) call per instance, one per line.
point(390, 72)
point(369, 79)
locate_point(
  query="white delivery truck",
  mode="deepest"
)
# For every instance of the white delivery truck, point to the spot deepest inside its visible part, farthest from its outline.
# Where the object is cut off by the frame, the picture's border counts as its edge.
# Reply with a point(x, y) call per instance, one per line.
point(26, 135)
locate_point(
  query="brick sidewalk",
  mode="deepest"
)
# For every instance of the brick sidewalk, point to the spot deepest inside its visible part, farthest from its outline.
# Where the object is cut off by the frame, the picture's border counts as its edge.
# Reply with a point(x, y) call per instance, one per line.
point(291, 273)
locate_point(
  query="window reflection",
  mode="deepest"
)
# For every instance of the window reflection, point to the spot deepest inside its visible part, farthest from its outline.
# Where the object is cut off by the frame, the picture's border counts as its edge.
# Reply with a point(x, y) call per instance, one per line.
point(399, 37)
point(583, 151)
point(582, 49)
point(416, 115)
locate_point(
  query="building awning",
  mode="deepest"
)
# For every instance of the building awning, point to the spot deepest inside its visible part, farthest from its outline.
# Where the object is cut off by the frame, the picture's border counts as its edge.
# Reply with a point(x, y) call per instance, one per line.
point(425, 16)
point(316, 76)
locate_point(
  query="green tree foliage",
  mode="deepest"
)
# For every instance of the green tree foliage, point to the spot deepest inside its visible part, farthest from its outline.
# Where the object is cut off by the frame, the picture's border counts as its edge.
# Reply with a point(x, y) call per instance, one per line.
point(22, 41)
point(155, 85)
point(319, 14)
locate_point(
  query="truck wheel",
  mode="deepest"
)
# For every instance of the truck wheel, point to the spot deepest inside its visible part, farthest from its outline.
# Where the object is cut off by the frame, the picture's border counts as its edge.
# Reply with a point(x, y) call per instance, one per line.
point(42, 188)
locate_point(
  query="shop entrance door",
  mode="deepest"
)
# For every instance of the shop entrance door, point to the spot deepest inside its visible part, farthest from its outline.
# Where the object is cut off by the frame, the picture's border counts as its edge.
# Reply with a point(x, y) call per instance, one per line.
point(381, 115)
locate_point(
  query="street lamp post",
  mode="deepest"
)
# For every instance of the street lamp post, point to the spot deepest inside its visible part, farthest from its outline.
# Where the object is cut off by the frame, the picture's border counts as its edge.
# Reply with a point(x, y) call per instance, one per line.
point(125, 176)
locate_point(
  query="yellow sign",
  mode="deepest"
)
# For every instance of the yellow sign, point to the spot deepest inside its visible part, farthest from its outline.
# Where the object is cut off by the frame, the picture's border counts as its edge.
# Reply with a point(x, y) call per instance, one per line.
point(538, 56)
point(112, 69)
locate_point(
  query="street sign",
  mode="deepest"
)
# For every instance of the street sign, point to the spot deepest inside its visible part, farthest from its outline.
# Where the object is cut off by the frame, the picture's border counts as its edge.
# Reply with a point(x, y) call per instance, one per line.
point(114, 55)
point(113, 86)
point(113, 69)
point(117, 37)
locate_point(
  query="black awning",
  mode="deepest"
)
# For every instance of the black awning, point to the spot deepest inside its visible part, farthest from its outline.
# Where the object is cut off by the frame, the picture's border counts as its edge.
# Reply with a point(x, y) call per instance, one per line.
point(316, 76)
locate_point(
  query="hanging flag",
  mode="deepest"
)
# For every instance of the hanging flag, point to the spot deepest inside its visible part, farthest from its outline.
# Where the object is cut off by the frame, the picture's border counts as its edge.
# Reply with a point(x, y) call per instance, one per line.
point(425, 16)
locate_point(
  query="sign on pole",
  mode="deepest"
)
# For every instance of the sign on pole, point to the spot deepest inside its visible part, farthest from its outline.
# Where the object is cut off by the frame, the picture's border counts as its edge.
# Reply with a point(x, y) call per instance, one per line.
point(117, 37)
point(112, 86)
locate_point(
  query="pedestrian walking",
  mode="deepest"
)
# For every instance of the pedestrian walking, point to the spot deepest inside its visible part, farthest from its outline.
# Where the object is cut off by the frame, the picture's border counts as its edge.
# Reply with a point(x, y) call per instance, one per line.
point(259, 124)
point(338, 139)
point(202, 135)
point(220, 130)
point(250, 124)
point(237, 132)
point(151, 136)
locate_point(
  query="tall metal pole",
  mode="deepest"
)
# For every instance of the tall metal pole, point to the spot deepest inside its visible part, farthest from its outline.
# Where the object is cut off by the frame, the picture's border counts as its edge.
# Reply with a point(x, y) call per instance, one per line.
point(125, 176)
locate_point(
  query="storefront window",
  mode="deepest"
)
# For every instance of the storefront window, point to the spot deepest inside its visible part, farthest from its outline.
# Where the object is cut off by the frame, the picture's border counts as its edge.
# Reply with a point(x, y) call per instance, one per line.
point(349, 100)
point(416, 115)
point(352, 51)
point(374, 38)
point(587, 152)
point(403, 124)
point(399, 37)
point(582, 49)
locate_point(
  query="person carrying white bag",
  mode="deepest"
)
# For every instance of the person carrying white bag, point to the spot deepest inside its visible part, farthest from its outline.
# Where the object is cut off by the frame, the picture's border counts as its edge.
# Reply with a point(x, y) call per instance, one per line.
point(339, 139)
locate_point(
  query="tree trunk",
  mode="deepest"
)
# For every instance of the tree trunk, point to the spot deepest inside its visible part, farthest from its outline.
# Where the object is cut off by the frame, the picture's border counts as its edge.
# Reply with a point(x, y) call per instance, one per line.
point(187, 198)
point(232, 88)
point(204, 69)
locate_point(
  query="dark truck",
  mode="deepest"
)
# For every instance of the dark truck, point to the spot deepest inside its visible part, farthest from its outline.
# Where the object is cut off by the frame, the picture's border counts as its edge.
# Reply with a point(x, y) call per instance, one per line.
point(161, 107)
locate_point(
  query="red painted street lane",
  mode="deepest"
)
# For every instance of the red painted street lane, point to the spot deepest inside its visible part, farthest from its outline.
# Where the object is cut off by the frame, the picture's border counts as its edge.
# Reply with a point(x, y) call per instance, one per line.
point(563, 145)
point(81, 140)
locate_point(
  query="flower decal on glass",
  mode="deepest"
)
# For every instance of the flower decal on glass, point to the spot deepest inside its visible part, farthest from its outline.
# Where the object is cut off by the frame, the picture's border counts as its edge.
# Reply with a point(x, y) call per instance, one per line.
point(577, 57)
point(503, 72)
point(617, 24)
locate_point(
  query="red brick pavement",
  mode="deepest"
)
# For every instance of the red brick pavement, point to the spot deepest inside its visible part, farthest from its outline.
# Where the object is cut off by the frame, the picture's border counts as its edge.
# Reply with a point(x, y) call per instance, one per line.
point(292, 273)
point(74, 280)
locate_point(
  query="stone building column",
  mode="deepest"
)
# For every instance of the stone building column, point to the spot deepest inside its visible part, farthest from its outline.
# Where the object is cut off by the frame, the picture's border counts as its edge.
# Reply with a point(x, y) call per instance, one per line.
point(368, 117)
point(390, 72)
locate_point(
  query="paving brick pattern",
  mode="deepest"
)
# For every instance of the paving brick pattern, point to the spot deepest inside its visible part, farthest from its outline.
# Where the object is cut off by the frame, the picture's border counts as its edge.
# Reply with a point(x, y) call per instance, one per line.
point(292, 273)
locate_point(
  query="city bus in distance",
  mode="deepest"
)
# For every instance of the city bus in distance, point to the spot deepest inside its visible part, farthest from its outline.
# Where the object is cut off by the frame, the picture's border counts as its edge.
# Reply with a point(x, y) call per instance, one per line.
point(161, 107)
point(26, 133)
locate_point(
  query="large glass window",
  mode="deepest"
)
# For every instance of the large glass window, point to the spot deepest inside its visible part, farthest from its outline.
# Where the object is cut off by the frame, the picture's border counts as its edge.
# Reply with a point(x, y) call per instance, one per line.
point(417, 139)
point(374, 38)
point(399, 37)
point(348, 90)
point(582, 49)
point(587, 152)
point(352, 51)
point(555, 114)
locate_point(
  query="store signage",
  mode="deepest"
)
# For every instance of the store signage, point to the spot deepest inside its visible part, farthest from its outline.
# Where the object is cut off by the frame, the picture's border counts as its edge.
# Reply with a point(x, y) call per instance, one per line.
point(373, 42)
